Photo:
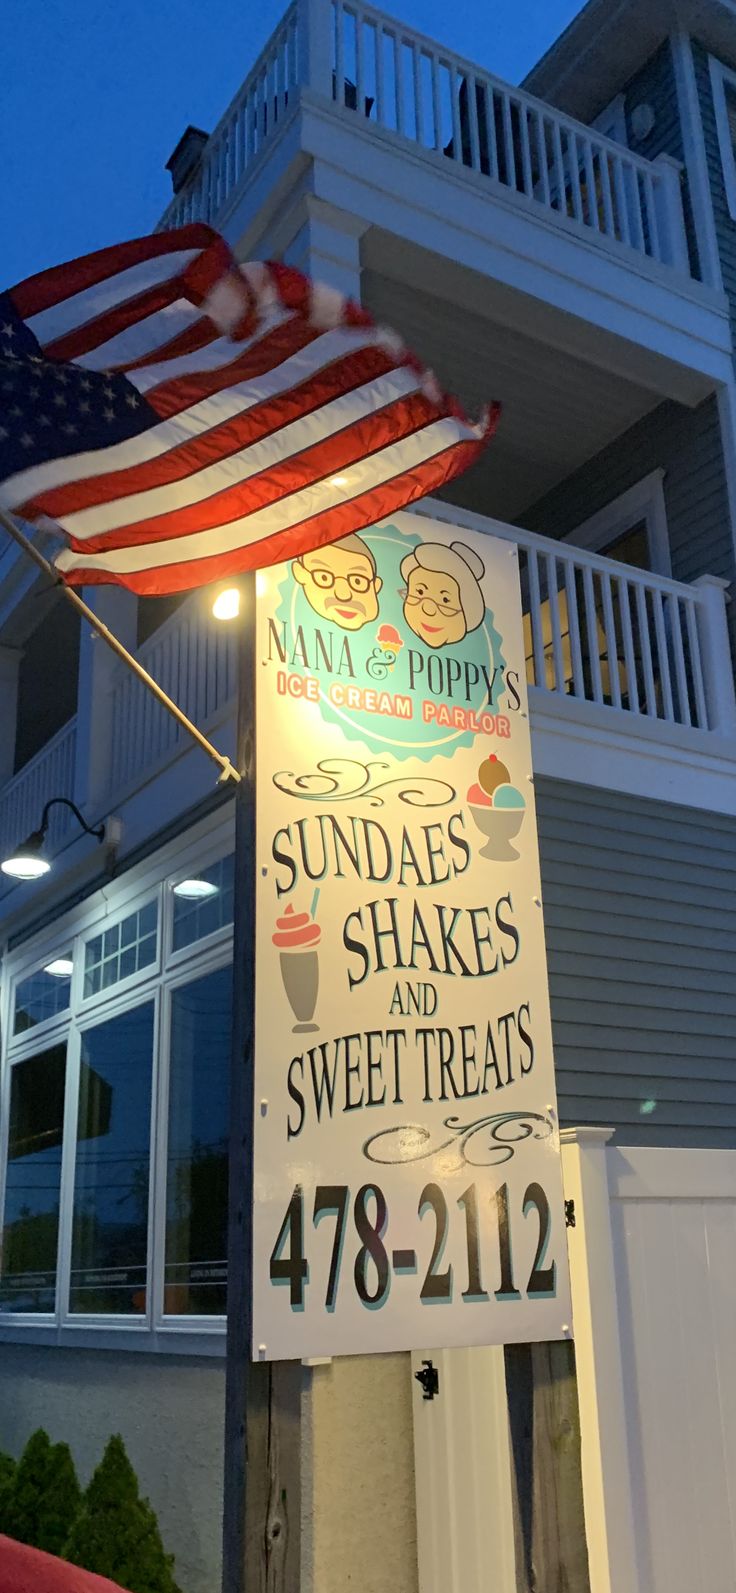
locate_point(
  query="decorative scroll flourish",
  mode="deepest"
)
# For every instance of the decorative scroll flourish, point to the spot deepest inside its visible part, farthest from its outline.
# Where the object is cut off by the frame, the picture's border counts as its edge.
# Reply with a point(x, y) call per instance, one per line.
point(466, 1143)
point(345, 779)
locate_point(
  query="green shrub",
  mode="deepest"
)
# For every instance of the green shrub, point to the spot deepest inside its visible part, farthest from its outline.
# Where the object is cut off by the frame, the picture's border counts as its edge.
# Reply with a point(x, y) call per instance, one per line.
point(43, 1495)
point(116, 1533)
point(7, 1474)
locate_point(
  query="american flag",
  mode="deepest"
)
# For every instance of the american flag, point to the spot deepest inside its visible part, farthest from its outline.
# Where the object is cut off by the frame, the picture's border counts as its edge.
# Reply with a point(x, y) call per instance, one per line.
point(182, 418)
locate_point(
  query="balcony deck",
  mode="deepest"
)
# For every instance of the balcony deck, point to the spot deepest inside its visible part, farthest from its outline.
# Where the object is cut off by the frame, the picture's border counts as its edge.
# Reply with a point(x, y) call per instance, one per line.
point(439, 155)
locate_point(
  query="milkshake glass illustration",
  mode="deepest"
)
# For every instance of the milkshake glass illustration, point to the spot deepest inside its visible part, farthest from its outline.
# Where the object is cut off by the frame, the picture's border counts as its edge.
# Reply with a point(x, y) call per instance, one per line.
point(297, 937)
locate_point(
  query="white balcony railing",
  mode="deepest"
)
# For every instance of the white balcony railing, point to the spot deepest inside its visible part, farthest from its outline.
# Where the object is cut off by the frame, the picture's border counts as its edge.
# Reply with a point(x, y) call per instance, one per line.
point(398, 80)
point(194, 660)
point(49, 774)
point(595, 632)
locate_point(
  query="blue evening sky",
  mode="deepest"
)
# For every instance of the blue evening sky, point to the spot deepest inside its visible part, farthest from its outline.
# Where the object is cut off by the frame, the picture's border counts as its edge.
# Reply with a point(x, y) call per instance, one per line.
point(96, 94)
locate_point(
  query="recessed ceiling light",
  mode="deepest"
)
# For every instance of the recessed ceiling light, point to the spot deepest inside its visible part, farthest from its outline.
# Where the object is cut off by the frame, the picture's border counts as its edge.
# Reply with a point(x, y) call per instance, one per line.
point(194, 890)
point(61, 967)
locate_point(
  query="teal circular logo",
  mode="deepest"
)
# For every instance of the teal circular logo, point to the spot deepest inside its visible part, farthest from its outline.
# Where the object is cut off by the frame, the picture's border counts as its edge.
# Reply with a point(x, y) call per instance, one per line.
point(393, 632)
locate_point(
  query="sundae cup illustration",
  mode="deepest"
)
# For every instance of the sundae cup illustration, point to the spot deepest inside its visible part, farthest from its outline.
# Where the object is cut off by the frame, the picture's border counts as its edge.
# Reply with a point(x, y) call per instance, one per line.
point(297, 937)
point(390, 643)
point(497, 808)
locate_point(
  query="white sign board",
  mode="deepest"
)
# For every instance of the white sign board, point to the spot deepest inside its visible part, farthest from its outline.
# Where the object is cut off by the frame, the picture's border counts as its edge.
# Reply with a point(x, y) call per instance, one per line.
point(407, 1172)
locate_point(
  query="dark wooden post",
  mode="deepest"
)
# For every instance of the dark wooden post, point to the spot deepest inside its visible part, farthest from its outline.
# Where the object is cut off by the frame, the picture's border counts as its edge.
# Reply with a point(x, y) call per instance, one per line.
point(544, 1423)
point(262, 1504)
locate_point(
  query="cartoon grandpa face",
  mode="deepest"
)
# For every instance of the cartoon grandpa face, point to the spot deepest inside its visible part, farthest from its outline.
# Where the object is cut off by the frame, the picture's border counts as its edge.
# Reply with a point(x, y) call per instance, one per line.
point(340, 582)
point(443, 599)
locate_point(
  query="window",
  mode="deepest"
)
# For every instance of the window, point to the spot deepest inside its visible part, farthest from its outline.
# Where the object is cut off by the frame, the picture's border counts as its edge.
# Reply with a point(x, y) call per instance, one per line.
point(32, 1183)
point(196, 1186)
point(120, 951)
point(632, 529)
point(111, 1175)
point(204, 904)
point(122, 1224)
point(43, 995)
point(723, 85)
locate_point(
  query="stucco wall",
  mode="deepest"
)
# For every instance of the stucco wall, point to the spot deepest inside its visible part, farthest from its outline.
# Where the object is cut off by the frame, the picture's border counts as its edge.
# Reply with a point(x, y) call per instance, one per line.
point(170, 1412)
point(358, 1507)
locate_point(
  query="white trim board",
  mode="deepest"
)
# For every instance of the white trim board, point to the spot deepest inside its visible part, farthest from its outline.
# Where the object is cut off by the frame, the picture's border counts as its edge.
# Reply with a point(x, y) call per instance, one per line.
point(721, 79)
point(617, 751)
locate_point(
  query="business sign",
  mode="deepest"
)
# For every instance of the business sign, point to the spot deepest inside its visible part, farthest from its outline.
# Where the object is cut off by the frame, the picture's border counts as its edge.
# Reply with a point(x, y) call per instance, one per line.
point(407, 1171)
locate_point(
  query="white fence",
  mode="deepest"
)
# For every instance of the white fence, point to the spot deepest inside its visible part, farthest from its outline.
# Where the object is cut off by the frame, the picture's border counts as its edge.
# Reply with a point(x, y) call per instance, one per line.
point(194, 659)
point(49, 774)
point(408, 85)
point(654, 1305)
point(654, 1322)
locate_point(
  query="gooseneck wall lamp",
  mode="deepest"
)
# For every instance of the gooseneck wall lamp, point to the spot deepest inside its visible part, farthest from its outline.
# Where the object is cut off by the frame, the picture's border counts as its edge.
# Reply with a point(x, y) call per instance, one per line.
point(29, 861)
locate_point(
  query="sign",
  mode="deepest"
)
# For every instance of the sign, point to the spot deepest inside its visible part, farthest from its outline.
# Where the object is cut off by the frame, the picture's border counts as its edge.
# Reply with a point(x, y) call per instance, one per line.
point(407, 1172)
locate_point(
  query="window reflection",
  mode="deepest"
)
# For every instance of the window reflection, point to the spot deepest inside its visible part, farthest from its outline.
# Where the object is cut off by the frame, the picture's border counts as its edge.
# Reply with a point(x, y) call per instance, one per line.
point(197, 916)
point(31, 1221)
point(196, 1206)
point(43, 995)
point(110, 1231)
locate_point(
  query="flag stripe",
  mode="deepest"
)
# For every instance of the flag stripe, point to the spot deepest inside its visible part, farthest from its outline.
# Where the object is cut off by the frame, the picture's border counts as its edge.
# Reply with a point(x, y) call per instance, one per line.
point(63, 283)
point(26, 490)
point(142, 339)
point(316, 530)
point(178, 416)
point(120, 496)
point(260, 475)
point(397, 458)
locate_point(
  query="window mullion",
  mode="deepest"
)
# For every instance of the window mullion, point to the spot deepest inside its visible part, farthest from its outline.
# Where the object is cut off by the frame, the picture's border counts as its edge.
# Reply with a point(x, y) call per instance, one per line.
point(68, 1163)
point(159, 1151)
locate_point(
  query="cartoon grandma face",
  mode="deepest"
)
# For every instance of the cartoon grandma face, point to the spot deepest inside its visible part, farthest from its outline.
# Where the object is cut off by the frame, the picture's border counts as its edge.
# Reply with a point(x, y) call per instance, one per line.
point(443, 598)
point(340, 582)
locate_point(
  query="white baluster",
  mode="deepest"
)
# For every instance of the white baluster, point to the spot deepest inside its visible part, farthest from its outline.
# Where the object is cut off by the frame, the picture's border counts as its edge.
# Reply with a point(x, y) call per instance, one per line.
point(715, 653)
point(663, 655)
point(645, 645)
point(609, 625)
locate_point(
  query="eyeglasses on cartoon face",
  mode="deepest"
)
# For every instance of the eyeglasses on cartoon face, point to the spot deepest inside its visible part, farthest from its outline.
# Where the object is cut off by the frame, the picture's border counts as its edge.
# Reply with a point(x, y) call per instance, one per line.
point(325, 579)
point(419, 595)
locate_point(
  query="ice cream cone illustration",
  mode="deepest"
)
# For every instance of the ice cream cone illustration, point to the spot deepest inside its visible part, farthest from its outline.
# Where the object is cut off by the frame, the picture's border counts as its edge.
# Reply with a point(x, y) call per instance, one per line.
point(297, 937)
point(390, 643)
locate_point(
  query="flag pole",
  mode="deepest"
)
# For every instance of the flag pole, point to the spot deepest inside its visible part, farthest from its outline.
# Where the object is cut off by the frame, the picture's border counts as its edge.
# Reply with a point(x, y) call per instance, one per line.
point(241, 1377)
point(227, 770)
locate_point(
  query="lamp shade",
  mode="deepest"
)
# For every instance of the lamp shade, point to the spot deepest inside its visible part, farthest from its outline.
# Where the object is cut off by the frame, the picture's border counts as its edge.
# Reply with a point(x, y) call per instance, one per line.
point(27, 860)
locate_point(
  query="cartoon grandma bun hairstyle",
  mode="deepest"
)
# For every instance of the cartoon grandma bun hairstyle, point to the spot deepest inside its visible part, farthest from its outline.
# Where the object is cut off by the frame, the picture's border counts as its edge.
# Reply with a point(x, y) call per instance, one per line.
point(463, 564)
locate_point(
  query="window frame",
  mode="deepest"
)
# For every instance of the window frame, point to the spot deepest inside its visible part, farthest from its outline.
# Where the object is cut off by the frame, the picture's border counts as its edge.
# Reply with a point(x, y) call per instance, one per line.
point(152, 1330)
point(644, 501)
point(723, 78)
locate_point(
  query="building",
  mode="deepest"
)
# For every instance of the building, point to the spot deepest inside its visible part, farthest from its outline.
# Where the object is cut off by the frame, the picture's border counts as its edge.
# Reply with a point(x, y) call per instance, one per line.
point(571, 246)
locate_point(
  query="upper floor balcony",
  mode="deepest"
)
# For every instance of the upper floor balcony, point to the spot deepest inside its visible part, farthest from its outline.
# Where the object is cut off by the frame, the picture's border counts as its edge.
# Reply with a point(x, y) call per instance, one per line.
point(631, 688)
point(456, 182)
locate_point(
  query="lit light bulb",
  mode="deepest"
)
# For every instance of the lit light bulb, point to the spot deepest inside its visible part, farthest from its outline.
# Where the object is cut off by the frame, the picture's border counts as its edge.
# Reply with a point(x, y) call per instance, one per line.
point(61, 967)
point(227, 604)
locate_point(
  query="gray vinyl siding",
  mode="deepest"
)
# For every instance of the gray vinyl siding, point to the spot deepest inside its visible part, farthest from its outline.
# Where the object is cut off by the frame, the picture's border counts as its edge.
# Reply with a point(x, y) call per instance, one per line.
point(640, 917)
point(725, 226)
point(655, 85)
point(687, 445)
